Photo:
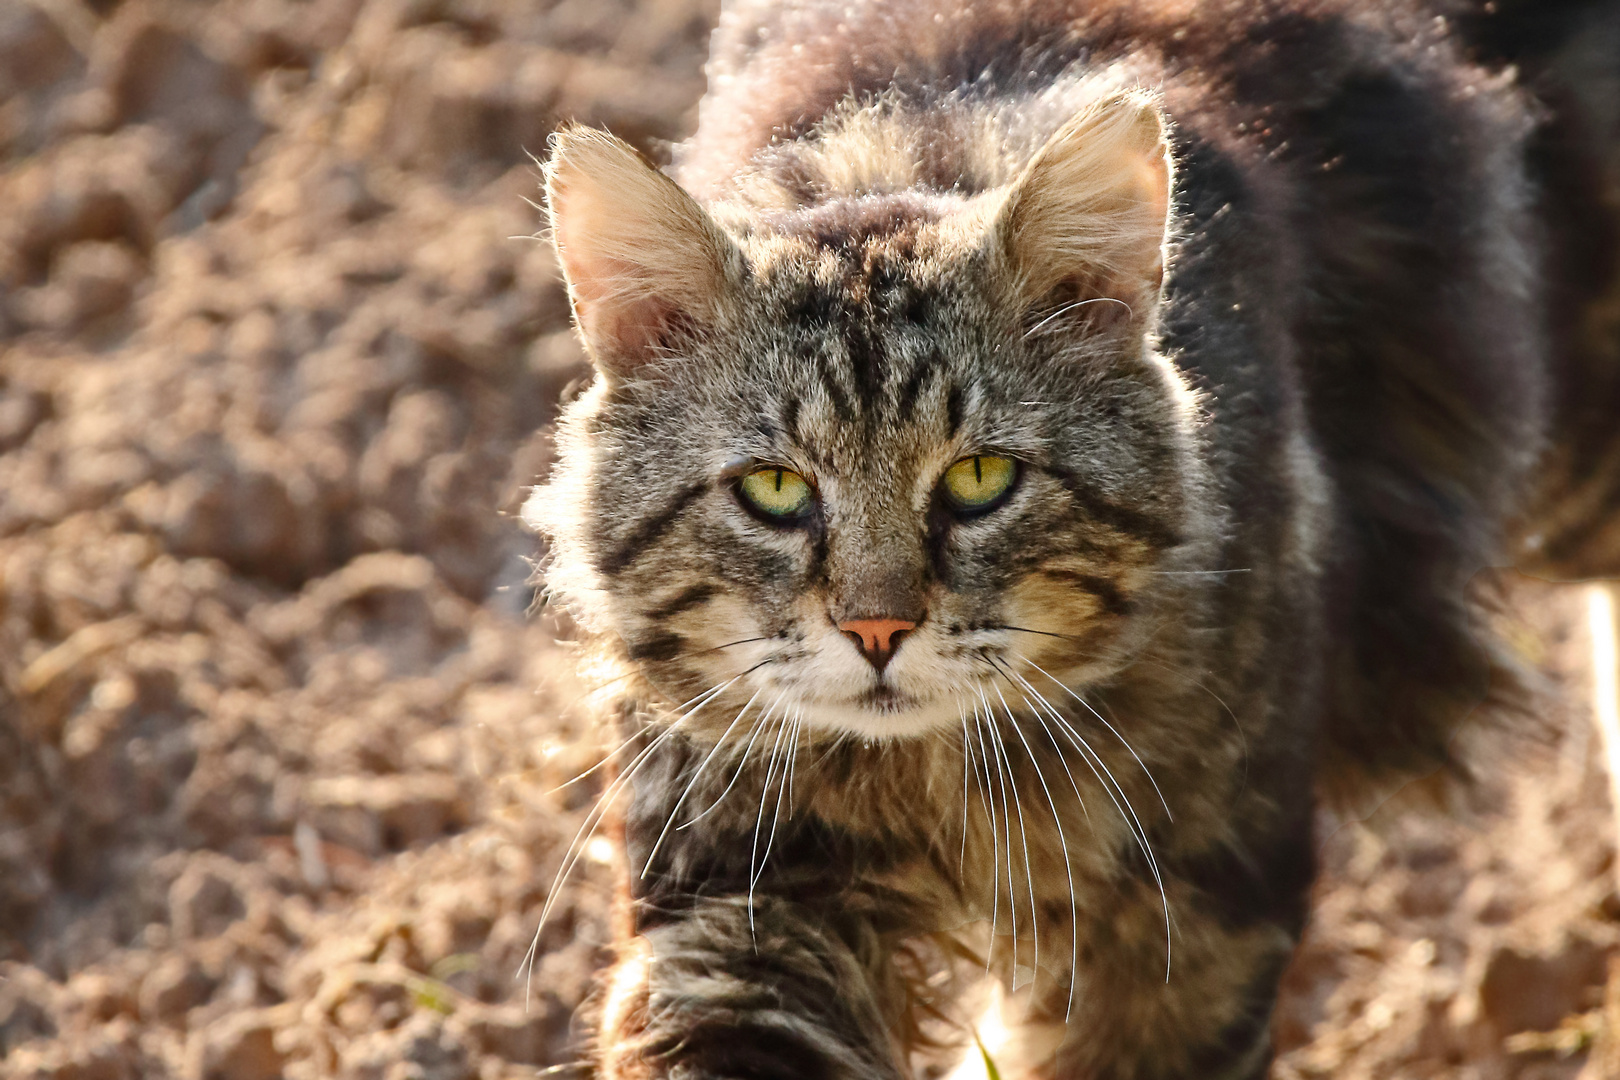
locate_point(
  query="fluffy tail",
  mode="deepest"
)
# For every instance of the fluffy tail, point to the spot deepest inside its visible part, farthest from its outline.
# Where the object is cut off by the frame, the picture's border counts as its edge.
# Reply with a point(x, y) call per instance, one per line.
point(1568, 53)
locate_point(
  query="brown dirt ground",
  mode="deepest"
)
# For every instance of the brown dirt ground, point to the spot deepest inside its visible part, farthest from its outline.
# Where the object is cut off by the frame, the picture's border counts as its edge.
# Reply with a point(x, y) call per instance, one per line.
point(278, 744)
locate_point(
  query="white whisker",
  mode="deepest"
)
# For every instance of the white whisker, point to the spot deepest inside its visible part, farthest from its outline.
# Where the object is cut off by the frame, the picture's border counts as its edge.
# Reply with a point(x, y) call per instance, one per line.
point(1116, 794)
point(1123, 742)
point(1066, 308)
point(594, 818)
point(1006, 814)
point(793, 759)
point(961, 869)
point(1068, 867)
point(759, 822)
point(1198, 573)
point(712, 691)
point(988, 792)
point(759, 725)
point(676, 809)
point(1063, 846)
point(1023, 837)
point(609, 756)
point(784, 782)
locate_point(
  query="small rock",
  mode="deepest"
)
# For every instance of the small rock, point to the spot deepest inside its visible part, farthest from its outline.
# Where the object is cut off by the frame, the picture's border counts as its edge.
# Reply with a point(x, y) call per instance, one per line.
point(1534, 991)
point(457, 930)
point(420, 1049)
point(240, 1046)
point(100, 276)
point(1605, 1059)
point(33, 51)
point(238, 512)
point(21, 411)
point(373, 1004)
point(115, 187)
point(343, 194)
point(88, 280)
point(25, 1006)
point(455, 105)
point(1433, 892)
point(173, 988)
point(203, 902)
point(159, 75)
point(101, 997)
point(410, 809)
point(520, 1035)
point(107, 1052)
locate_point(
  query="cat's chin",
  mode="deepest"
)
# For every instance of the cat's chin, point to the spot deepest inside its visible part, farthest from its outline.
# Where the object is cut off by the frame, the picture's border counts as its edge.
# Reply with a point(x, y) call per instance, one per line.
point(883, 713)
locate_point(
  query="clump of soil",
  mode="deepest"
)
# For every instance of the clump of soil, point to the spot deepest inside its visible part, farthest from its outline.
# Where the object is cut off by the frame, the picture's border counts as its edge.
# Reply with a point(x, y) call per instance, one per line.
point(280, 746)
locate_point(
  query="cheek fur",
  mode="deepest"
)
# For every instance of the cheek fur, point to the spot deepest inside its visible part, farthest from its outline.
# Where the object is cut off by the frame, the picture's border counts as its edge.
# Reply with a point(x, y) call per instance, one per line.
point(1060, 628)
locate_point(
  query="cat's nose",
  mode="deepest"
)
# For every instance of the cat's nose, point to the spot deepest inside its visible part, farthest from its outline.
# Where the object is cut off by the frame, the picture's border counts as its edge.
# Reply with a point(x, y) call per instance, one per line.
point(877, 638)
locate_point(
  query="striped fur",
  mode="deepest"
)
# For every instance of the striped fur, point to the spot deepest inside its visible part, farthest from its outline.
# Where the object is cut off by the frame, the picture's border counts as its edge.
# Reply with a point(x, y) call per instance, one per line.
point(1269, 341)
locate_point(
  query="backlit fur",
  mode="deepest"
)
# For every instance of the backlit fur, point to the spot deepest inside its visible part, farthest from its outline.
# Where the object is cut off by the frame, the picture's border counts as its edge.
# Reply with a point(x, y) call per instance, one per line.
point(1254, 294)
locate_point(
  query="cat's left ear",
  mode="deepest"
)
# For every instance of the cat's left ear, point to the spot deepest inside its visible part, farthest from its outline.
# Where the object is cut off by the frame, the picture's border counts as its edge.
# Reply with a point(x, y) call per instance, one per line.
point(642, 258)
point(1089, 218)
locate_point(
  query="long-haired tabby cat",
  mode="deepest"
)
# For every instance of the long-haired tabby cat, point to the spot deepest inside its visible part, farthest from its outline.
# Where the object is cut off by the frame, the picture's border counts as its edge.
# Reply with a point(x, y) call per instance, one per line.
point(1039, 448)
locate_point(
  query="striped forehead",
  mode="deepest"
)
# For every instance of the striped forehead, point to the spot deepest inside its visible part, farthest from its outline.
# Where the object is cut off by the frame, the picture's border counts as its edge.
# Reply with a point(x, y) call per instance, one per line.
point(869, 350)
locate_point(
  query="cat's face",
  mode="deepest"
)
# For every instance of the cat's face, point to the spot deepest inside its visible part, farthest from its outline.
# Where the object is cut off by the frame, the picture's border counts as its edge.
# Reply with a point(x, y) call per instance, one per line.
point(865, 487)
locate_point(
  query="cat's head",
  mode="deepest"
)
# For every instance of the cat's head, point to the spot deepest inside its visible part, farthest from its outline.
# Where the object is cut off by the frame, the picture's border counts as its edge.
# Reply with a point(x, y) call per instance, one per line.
point(869, 459)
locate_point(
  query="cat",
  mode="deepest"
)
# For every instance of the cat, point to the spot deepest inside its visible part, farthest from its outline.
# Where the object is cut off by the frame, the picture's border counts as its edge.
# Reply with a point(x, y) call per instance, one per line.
point(1039, 452)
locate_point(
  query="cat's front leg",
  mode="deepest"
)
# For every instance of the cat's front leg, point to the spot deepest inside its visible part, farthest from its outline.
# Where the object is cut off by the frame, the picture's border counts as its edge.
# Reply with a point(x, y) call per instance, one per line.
point(1212, 1022)
point(1202, 1012)
point(703, 994)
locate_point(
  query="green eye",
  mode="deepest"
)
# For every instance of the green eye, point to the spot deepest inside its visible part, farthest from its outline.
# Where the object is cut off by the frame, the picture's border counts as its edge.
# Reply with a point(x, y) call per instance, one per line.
point(777, 493)
point(977, 482)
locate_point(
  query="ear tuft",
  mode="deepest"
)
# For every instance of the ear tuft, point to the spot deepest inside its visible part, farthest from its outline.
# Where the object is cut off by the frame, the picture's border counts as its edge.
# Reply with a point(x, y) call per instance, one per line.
point(1090, 213)
point(641, 257)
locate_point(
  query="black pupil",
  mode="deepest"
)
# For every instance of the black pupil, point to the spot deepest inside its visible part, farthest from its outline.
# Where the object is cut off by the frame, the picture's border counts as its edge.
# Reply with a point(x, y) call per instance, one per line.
point(978, 472)
point(778, 479)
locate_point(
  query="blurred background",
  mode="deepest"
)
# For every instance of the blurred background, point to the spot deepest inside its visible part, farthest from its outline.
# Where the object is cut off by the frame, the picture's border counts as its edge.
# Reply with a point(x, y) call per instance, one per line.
point(279, 744)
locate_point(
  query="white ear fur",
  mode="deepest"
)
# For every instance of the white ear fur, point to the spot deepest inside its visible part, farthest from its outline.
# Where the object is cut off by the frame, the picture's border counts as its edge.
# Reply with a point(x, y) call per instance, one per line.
point(639, 253)
point(1092, 208)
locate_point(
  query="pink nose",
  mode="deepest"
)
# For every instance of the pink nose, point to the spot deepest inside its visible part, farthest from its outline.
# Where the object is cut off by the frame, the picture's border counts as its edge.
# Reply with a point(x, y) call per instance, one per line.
point(877, 638)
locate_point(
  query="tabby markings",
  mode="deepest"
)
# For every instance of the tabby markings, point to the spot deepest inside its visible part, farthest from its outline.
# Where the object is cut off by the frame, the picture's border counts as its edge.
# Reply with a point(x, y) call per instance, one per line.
point(684, 600)
point(1122, 519)
point(650, 529)
point(1107, 592)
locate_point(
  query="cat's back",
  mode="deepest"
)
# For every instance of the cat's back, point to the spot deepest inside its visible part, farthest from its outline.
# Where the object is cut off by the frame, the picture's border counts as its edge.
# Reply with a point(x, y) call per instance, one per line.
point(776, 70)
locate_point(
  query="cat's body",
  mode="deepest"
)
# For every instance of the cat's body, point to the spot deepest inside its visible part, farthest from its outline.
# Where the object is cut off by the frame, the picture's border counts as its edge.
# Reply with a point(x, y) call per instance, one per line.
point(1259, 425)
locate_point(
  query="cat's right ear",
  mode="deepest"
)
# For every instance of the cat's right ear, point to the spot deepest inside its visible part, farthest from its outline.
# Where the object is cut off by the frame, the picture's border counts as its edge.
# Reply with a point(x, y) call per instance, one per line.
point(641, 257)
point(1089, 218)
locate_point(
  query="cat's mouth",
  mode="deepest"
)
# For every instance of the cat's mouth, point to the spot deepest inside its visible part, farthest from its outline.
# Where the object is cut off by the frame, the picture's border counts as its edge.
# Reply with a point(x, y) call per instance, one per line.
point(880, 711)
point(884, 698)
